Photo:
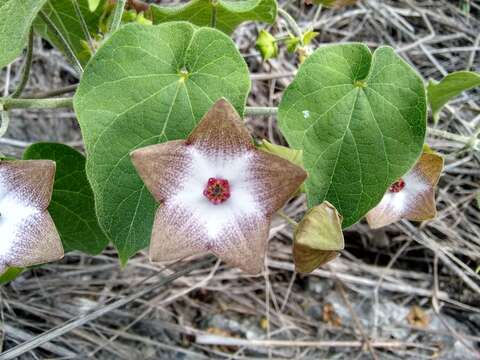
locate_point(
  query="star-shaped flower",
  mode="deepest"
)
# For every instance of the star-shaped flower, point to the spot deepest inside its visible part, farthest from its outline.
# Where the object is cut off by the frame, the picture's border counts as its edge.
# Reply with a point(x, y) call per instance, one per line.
point(217, 192)
point(412, 197)
point(27, 233)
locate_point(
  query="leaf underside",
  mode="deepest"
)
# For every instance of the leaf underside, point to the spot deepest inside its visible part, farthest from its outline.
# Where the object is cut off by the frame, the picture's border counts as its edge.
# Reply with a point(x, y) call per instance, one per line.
point(147, 85)
point(72, 206)
point(15, 21)
point(229, 13)
point(360, 120)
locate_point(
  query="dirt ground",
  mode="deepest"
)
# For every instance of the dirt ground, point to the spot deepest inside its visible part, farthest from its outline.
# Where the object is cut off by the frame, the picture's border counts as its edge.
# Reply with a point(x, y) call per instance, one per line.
point(406, 291)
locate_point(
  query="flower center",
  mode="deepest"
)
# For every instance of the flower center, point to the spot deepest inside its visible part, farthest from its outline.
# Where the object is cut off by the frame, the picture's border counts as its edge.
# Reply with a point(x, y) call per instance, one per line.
point(397, 186)
point(217, 190)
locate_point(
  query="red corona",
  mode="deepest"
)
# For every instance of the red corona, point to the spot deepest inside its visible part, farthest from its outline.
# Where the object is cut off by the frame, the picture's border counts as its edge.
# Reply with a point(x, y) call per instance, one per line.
point(397, 186)
point(217, 190)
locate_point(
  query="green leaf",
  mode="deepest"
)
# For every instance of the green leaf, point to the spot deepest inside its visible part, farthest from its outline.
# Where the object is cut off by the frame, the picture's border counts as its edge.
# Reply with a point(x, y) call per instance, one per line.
point(452, 85)
point(10, 274)
point(292, 42)
point(146, 85)
point(360, 120)
point(308, 36)
point(229, 13)
point(63, 15)
point(267, 45)
point(93, 5)
point(15, 21)
point(72, 207)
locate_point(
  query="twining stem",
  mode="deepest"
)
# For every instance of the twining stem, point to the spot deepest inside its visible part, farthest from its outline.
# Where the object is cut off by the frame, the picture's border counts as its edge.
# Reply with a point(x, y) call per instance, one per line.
point(261, 111)
point(27, 64)
point(472, 141)
point(55, 92)
point(4, 121)
point(53, 103)
point(9, 103)
point(117, 16)
point(57, 33)
point(287, 218)
point(214, 14)
point(291, 23)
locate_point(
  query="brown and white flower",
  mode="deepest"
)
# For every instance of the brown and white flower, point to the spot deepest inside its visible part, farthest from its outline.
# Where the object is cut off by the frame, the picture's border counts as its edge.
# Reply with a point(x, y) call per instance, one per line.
point(412, 197)
point(217, 192)
point(27, 233)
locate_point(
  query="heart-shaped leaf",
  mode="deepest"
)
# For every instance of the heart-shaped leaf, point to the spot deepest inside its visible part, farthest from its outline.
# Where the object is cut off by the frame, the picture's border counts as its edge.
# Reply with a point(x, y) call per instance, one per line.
point(63, 15)
point(15, 21)
point(360, 120)
point(452, 85)
point(229, 13)
point(146, 85)
point(72, 207)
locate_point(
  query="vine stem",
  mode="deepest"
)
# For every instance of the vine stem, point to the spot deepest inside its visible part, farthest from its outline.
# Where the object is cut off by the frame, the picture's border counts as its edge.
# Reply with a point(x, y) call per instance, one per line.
point(82, 319)
point(117, 16)
point(287, 218)
point(214, 14)
point(4, 121)
point(470, 141)
point(291, 23)
point(9, 103)
point(26, 67)
point(53, 103)
point(68, 49)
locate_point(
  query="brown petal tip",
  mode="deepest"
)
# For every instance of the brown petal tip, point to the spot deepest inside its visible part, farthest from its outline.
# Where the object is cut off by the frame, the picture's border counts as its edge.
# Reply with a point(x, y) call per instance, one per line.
point(413, 196)
point(221, 130)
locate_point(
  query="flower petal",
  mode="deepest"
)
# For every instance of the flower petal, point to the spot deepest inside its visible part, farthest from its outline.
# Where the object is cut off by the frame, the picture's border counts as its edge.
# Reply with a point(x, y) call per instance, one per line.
point(37, 241)
point(318, 238)
point(32, 180)
point(243, 244)
point(429, 167)
point(277, 180)
point(176, 234)
point(416, 201)
point(161, 167)
point(307, 259)
point(221, 131)
point(383, 214)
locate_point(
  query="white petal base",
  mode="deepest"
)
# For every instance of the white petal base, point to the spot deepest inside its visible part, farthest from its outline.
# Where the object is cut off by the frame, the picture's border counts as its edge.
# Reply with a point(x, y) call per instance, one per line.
point(215, 219)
